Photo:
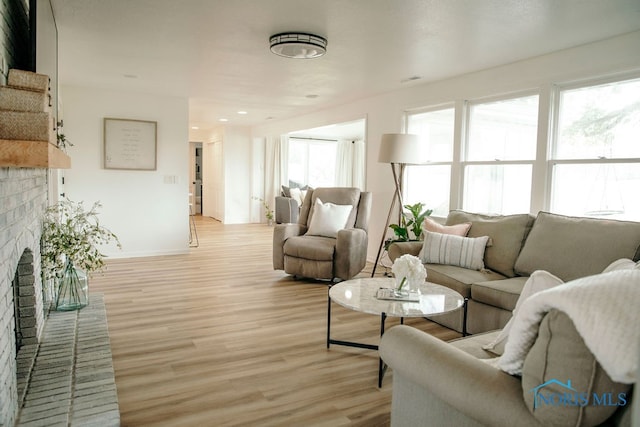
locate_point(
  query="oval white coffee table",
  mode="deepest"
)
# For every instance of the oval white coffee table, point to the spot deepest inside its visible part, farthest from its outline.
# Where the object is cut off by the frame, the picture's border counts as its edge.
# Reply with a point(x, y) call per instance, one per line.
point(360, 295)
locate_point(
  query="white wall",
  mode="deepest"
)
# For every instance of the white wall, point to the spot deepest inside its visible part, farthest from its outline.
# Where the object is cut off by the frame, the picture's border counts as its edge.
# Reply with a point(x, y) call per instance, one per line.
point(145, 209)
point(385, 112)
point(228, 171)
point(257, 180)
point(213, 175)
point(238, 166)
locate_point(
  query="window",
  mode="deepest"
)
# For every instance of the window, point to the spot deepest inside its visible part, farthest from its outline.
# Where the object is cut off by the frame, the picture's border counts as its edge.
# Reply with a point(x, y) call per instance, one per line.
point(312, 162)
point(595, 164)
point(494, 160)
point(500, 151)
point(430, 184)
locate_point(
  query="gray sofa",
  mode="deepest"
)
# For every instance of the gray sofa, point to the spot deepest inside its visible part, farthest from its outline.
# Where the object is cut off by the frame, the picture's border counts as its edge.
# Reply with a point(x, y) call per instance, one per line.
point(287, 207)
point(567, 247)
point(448, 384)
point(287, 210)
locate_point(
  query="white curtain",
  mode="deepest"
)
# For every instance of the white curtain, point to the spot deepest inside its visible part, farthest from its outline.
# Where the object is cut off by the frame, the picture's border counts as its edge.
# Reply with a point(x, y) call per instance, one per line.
point(350, 164)
point(275, 170)
point(359, 162)
point(344, 163)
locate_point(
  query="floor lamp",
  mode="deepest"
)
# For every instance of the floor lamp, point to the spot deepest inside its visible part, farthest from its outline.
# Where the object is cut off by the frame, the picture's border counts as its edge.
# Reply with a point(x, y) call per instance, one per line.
point(399, 150)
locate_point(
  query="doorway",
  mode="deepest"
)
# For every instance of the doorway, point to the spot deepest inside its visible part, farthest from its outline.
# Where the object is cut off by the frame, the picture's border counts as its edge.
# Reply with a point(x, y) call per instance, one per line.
point(195, 180)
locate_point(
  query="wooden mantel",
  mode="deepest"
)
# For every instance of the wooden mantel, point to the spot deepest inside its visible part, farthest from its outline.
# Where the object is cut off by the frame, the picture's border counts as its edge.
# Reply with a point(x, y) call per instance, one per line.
point(32, 154)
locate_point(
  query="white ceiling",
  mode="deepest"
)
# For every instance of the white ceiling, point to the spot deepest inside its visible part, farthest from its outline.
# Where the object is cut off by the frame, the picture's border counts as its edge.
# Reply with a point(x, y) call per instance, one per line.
point(216, 52)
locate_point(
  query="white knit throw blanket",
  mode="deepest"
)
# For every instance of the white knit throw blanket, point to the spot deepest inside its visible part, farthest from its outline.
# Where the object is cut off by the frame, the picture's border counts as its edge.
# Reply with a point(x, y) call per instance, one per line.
point(604, 310)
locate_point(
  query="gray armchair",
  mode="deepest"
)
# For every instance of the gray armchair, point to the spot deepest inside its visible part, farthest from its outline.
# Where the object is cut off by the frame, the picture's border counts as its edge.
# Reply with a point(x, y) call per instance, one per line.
point(321, 257)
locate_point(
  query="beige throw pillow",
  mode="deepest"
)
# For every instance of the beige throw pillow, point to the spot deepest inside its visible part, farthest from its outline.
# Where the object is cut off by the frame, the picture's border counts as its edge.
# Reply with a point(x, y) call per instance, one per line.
point(449, 249)
point(457, 229)
point(539, 280)
point(328, 218)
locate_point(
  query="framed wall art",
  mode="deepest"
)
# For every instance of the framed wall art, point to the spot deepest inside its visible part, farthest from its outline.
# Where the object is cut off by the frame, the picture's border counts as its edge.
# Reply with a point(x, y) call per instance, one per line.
point(130, 144)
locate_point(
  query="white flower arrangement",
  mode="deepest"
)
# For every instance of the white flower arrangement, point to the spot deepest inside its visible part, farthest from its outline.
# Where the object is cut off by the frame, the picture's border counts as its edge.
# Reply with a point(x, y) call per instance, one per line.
point(72, 234)
point(408, 268)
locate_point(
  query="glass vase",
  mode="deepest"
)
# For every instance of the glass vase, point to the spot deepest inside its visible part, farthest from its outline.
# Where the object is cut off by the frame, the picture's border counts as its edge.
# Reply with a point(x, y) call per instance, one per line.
point(409, 286)
point(402, 286)
point(73, 289)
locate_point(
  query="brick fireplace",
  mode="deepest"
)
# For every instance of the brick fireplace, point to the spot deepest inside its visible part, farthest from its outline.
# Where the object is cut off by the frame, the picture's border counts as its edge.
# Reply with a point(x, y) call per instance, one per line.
point(23, 199)
point(30, 336)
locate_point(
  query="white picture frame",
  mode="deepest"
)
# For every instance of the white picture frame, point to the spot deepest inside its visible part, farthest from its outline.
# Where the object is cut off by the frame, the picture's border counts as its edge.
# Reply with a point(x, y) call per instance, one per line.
point(130, 144)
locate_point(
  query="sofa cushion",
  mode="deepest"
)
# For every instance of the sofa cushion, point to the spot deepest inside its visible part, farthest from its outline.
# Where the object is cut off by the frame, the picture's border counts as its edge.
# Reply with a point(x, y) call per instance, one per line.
point(572, 247)
point(507, 233)
point(474, 344)
point(559, 356)
point(306, 268)
point(467, 252)
point(457, 278)
point(499, 293)
point(310, 247)
point(457, 229)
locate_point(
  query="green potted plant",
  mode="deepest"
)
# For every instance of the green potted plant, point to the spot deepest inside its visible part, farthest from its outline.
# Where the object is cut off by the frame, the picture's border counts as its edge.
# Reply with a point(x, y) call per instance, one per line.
point(410, 223)
point(69, 250)
point(268, 212)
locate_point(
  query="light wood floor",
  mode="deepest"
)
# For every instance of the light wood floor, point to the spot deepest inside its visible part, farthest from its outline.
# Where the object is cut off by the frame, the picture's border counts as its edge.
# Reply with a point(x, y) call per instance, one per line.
point(216, 337)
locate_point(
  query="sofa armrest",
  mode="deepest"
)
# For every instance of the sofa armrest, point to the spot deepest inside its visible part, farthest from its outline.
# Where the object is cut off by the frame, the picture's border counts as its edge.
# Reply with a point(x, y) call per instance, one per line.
point(287, 210)
point(468, 385)
point(397, 249)
point(281, 232)
point(351, 252)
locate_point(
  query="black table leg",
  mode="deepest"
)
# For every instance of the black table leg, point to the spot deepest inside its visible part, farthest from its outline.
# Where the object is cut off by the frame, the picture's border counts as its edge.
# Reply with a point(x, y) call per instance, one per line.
point(328, 318)
point(340, 342)
point(382, 367)
point(464, 317)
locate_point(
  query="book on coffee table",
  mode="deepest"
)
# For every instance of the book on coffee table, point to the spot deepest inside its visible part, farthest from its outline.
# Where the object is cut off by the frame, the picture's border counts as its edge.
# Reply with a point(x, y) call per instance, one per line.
point(393, 295)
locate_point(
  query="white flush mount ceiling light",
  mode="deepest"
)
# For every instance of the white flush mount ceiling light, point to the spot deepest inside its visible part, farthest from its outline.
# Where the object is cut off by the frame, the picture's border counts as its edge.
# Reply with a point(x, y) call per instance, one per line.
point(298, 45)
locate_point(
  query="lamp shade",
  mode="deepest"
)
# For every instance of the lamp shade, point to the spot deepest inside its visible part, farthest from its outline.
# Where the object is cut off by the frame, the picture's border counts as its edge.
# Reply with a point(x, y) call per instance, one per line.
point(402, 148)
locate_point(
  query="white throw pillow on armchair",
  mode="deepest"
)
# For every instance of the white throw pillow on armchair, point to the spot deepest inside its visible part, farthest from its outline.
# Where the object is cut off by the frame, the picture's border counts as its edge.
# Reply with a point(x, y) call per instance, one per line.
point(328, 218)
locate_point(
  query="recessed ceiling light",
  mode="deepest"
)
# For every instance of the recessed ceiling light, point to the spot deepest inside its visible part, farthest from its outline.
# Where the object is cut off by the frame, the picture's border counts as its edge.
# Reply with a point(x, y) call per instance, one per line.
point(242, 112)
point(224, 120)
point(195, 127)
point(298, 45)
